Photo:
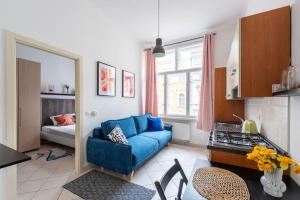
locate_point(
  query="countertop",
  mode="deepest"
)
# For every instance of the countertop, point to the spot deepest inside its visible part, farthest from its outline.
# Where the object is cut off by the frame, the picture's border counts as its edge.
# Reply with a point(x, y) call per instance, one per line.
point(250, 176)
point(10, 157)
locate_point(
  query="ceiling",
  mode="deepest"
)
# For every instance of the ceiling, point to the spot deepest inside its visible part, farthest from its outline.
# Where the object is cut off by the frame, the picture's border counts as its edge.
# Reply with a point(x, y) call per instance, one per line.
point(179, 18)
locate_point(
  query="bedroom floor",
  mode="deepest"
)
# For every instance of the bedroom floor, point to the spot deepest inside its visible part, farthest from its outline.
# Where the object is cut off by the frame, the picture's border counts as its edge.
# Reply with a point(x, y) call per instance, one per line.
point(41, 180)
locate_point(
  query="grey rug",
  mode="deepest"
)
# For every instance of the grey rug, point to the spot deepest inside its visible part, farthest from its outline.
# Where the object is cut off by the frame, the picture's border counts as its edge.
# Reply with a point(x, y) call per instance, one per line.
point(95, 185)
point(57, 153)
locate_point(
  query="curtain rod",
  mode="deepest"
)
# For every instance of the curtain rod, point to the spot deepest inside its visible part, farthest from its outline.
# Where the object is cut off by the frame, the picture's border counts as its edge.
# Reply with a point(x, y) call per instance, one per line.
point(182, 41)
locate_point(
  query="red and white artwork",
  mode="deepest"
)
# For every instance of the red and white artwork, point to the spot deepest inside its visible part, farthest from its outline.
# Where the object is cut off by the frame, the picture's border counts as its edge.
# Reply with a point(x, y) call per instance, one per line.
point(128, 84)
point(106, 85)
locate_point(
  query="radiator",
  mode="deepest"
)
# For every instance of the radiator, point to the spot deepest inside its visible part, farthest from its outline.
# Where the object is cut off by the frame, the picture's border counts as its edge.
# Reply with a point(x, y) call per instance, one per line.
point(181, 131)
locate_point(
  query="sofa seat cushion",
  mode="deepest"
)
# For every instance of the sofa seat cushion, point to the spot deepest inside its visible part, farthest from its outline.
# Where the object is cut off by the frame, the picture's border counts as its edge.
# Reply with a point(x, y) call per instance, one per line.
point(163, 137)
point(127, 125)
point(142, 148)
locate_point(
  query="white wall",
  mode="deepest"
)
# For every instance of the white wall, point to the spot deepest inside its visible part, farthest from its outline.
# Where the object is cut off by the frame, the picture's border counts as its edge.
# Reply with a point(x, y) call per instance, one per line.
point(79, 27)
point(258, 6)
point(295, 101)
point(55, 70)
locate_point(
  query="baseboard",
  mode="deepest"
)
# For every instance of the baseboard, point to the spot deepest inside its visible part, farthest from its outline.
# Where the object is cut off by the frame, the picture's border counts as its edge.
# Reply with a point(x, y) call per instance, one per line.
point(86, 168)
point(187, 143)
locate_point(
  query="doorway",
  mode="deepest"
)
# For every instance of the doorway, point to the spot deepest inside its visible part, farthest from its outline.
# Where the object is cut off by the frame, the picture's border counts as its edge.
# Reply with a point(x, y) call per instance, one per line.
point(11, 93)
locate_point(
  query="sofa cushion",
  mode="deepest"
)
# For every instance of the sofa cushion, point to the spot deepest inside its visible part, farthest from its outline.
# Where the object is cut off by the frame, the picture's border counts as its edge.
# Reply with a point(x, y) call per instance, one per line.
point(127, 125)
point(142, 148)
point(163, 137)
point(155, 124)
point(141, 122)
point(117, 136)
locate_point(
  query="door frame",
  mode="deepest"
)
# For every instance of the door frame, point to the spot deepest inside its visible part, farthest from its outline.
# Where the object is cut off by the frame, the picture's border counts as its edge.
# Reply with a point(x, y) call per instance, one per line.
point(11, 111)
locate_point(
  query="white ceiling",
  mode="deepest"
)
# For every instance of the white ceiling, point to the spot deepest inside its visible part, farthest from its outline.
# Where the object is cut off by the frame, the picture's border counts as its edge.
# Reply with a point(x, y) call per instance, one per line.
point(179, 18)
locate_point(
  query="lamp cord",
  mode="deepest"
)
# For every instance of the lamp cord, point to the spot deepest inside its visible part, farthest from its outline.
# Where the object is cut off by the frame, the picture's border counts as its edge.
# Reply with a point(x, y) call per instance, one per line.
point(158, 6)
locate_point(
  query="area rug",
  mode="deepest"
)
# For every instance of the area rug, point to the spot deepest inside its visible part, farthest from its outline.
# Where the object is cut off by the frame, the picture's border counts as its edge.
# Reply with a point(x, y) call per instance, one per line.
point(56, 153)
point(95, 185)
point(47, 155)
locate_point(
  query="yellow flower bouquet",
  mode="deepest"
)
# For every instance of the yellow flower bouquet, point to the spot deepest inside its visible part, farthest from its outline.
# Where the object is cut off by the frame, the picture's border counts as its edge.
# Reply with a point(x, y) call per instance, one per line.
point(273, 165)
point(268, 159)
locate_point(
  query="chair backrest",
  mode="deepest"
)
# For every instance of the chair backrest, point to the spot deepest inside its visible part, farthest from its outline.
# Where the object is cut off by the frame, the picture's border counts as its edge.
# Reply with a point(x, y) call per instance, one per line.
point(167, 177)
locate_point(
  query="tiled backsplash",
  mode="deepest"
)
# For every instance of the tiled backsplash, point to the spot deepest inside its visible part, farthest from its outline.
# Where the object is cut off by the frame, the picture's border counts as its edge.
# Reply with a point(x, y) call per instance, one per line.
point(271, 116)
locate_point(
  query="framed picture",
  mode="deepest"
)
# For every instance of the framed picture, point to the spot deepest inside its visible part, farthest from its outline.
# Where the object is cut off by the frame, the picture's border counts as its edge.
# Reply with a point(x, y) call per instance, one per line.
point(106, 79)
point(128, 82)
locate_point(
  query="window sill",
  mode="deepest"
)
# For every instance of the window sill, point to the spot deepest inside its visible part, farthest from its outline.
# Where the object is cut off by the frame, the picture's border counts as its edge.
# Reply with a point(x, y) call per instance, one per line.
point(181, 119)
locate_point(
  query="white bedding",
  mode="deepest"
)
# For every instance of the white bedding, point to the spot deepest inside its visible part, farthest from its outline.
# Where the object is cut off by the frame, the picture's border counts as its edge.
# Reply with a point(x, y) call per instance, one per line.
point(59, 134)
point(69, 130)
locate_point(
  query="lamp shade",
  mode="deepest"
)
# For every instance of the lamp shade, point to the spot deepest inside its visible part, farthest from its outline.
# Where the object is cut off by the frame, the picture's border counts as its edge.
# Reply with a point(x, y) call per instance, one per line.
point(158, 50)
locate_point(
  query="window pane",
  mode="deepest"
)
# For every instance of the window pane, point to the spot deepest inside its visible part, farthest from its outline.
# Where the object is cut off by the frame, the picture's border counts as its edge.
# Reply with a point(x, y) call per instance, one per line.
point(160, 94)
point(190, 56)
point(176, 94)
point(166, 63)
point(195, 82)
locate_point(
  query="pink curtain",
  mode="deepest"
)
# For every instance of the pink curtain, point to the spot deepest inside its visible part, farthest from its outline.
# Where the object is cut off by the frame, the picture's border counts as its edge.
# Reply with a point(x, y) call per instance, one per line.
point(205, 114)
point(151, 93)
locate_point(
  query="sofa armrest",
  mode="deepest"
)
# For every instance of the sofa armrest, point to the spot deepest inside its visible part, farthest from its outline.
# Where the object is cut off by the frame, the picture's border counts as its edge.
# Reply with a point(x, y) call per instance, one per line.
point(97, 132)
point(168, 127)
point(113, 156)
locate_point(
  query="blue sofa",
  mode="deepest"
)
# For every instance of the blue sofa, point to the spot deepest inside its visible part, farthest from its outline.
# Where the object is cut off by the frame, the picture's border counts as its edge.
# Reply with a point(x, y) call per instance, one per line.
point(124, 158)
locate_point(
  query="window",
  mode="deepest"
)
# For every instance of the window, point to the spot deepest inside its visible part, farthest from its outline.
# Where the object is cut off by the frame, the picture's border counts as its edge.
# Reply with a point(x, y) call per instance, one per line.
point(166, 63)
point(181, 100)
point(176, 84)
point(179, 80)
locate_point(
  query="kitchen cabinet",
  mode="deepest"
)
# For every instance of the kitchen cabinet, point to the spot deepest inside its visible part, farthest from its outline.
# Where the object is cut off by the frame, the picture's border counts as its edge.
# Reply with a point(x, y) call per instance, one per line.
point(260, 51)
point(223, 108)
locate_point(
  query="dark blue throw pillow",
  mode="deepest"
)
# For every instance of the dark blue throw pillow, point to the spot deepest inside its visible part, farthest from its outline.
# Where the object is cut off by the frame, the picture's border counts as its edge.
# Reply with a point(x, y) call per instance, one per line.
point(141, 122)
point(155, 124)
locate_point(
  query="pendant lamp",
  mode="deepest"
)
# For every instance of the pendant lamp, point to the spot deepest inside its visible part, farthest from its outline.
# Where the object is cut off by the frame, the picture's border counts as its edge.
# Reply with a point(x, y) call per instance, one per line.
point(158, 50)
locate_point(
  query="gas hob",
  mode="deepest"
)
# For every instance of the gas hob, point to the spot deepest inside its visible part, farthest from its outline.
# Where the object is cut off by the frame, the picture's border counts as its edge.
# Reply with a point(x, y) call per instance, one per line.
point(242, 141)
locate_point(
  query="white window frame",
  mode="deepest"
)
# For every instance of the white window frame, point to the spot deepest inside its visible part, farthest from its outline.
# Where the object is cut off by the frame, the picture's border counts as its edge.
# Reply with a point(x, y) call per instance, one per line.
point(180, 98)
point(176, 71)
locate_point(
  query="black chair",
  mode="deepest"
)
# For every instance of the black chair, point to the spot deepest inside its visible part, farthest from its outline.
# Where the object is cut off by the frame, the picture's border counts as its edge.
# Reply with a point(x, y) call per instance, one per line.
point(167, 177)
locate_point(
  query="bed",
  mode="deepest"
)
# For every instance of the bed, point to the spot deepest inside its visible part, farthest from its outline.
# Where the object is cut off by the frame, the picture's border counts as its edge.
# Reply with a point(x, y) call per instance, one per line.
point(64, 135)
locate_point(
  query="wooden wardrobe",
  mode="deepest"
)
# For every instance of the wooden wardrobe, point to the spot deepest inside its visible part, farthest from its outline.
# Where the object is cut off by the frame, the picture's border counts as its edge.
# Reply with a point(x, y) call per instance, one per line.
point(29, 106)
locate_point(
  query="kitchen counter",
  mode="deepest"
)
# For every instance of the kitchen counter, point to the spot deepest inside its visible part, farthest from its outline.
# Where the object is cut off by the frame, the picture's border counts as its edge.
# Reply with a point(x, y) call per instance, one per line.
point(10, 157)
point(232, 149)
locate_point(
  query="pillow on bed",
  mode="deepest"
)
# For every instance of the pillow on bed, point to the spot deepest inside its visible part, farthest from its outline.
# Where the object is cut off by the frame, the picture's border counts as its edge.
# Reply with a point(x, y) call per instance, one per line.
point(55, 123)
point(53, 119)
point(64, 120)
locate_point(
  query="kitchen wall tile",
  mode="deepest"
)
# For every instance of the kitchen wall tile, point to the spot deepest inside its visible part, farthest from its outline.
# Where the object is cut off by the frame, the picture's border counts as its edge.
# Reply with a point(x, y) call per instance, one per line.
point(271, 116)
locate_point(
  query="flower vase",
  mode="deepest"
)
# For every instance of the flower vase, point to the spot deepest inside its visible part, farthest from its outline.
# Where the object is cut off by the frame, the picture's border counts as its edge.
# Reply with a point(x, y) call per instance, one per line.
point(272, 182)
